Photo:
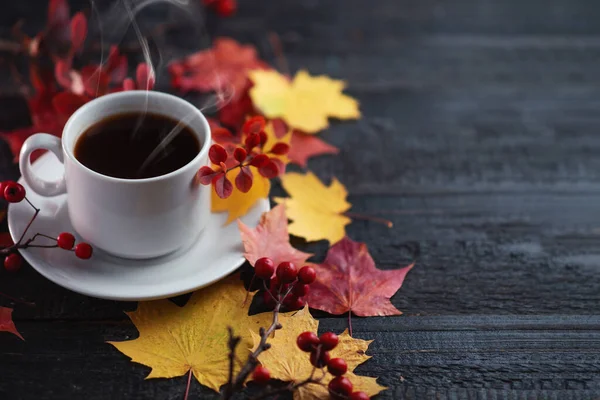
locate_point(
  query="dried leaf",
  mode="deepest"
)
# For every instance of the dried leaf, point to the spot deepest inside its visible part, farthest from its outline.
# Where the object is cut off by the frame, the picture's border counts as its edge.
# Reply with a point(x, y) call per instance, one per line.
point(238, 204)
point(6, 322)
point(78, 31)
point(305, 146)
point(270, 239)
point(221, 68)
point(288, 363)
point(304, 103)
point(243, 180)
point(174, 340)
point(348, 281)
point(66, 103)
point(315, 209)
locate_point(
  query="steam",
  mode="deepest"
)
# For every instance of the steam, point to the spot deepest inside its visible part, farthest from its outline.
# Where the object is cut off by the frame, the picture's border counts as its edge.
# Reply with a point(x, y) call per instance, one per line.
point(127, 18)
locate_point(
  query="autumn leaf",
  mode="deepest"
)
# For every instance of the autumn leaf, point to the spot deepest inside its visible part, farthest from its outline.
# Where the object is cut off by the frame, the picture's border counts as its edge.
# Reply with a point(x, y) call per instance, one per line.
point(223, 67)
point(348, 281)
point(315, 209)
point(238, 204)
point(174, 340)
point(305, 103)
point(305, 146)
point(270, 239)
point(6, 322)
point(288, 363)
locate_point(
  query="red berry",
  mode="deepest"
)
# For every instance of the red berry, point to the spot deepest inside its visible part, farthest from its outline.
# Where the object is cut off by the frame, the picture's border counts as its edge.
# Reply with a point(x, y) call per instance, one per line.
point(287, 272)
point(264, 268)
point(226, 8)
point(300, 290)
point(307, 275)
point(337, 366)
point(329, 340)
point(280, 148)
point(322, 361)
point(65, 241)
point(297, 303)
point(14, 192)
point(274, 284)
point(340, 386)
point(83, 250)
point(289, 301)
point(261, 375)
point(268, 300)
point(359, 396)
point(217, 154)
point(12, 262)
point(307, 341)
point(240, 154)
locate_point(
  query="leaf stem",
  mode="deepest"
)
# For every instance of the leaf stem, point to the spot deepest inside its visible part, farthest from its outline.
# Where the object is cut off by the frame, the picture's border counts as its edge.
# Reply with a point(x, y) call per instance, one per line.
point(187, 388)
point(350, 322)
point(363, 217)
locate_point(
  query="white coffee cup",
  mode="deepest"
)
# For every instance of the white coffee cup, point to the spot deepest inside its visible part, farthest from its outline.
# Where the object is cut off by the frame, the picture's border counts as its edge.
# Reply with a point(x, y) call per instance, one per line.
point(132, 218)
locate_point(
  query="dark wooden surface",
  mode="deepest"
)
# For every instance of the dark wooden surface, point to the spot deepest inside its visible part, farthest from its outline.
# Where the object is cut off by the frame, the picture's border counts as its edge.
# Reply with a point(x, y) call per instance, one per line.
point(480, 140)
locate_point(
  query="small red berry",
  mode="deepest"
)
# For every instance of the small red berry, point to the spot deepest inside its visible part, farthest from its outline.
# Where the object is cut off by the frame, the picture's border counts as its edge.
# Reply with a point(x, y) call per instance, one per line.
point(329, 340)
point(260, 160)
point(307, 341)
point(359, 396)
point(217, 154)
point(337, 366)
point(300, 289)
point(307, 275)
point(264, 268)
point(65, 241)
point(12, 262)
point(274, 284)
point(289, 301)
point(298, 303)
point(322, 361)
point(280, 148)
point(226, 8)
point(240, 154)
point(14, 192)
point(287, 272)
point(268, 300)
point(83, 250)
point(261, 375)
point(340, 386)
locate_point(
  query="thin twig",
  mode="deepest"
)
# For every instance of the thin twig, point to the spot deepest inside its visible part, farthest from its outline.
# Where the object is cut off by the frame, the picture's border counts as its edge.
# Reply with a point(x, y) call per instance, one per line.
point(187, 388)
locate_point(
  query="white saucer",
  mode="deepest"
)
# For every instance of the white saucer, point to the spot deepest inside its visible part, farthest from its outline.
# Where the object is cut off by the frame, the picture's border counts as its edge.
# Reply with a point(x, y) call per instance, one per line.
point(210, 257)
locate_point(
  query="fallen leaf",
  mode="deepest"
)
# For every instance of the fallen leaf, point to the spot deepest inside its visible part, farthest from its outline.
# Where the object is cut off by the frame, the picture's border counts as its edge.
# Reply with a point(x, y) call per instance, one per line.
point(348, 281)
point(288, 363)
point(174, 340)
point(223, 67)
point(305, 103)
point(304, 146)
point(315, 209)
point(6, 322)
point(270, 239)
point(238, 204)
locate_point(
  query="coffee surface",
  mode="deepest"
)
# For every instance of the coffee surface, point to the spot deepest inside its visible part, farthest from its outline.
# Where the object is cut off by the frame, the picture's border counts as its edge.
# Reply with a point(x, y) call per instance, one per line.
point(120, 146)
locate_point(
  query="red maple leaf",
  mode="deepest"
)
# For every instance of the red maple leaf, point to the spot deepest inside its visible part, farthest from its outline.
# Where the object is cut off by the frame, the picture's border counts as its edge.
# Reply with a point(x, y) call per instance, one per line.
point(303, 147)
point(6, 322)
point(271, 239)
point(222, 68)
point(348, 282)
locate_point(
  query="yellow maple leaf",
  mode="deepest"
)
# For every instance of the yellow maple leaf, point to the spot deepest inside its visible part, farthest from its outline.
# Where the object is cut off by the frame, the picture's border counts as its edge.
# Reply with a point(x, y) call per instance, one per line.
point(305, 103)
point(239, 203)
point(174, 340)
point(315, 209)
point(288, 363)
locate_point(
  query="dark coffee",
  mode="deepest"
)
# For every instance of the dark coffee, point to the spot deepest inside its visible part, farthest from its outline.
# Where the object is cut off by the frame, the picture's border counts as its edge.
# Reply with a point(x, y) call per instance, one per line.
point(133, 146)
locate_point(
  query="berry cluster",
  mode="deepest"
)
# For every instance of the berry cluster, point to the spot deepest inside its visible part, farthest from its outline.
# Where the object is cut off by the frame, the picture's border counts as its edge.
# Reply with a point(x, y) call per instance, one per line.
point(288, 287)
point(251, 154)
point(14, 192)
point(319, 347)
point(224, 8)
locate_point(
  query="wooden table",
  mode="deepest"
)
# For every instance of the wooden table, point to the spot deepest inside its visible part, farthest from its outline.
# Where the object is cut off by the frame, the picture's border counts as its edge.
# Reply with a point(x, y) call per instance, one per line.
point(480, 140)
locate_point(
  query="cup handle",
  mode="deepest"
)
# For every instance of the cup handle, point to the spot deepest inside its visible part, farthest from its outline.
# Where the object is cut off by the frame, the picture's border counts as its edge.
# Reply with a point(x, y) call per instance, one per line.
point(42, 141)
